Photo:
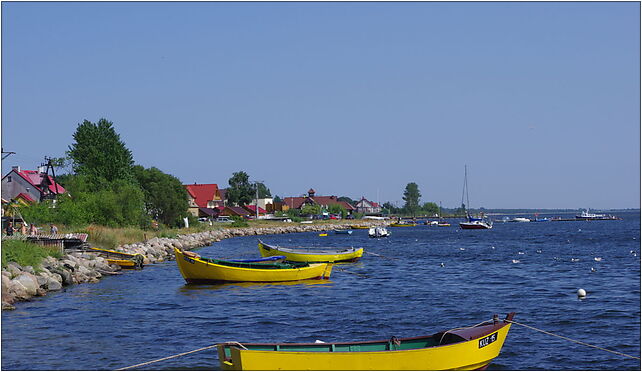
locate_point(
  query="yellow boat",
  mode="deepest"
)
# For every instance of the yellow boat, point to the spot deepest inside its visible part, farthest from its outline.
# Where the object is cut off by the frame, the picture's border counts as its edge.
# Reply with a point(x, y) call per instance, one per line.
point(302, 254)
point(360, 227)
point(122, 259)
point(464, 348)
point(196, 269)
point(403, 224)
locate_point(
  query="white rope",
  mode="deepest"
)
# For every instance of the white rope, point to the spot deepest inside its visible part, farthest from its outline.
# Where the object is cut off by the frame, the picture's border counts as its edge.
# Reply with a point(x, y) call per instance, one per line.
point(577, 342)
point(179, 355)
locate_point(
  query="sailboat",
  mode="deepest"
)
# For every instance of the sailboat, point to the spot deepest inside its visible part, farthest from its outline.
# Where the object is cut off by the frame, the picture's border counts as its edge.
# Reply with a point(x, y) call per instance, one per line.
point(471, 222)
point(441, 221)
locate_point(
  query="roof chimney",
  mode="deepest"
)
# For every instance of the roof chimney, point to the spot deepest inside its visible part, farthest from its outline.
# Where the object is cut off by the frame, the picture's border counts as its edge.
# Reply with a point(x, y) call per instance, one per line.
point(311, 192)
point(16, 168)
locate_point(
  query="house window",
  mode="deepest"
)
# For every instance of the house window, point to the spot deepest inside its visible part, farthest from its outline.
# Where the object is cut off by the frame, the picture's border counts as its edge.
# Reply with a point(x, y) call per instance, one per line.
point(9, 179)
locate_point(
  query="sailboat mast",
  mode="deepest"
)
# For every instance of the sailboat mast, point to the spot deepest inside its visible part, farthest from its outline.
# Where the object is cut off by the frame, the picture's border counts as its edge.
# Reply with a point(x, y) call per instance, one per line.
point(465, 190)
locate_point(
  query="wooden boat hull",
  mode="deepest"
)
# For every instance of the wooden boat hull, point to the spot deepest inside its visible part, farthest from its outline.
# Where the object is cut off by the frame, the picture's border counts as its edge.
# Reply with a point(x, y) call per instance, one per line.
point(291, 254)
point(122, 259)
point(197, 270)
point(359, 227)
point(468, 349)
point(403, 224)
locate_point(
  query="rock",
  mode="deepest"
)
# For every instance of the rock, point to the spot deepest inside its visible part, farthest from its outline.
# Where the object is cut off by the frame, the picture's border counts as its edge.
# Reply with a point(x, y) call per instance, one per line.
point(29, 282)
point(53, 285)
point(18, 291)
point(14, 269)
point(7, 306)
point(29, 269)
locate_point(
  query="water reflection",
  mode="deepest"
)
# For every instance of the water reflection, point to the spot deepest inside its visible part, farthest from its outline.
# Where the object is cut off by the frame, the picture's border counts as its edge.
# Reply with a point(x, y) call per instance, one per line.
point(193, 288)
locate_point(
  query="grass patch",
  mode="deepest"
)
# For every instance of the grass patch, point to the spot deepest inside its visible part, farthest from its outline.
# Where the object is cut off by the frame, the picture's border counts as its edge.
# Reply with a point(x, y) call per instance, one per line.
point(26, 254)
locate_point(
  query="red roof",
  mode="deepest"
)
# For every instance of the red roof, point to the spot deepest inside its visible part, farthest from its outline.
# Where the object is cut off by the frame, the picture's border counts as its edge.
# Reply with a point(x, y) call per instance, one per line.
point(25, 197)
point(297, 201)
point(252, 208)
point(35, 179)
point(202, 193)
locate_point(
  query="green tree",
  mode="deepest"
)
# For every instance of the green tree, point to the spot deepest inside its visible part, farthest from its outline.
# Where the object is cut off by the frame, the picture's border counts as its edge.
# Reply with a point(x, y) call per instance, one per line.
point(240, 192)
point(264, 192)
point(99, 153)
point(311, 209)
point(430, 208)
point(347, 200)
point(412, 196)
point(165, 196)
point(277, 199)
point(338, 209)
point(389, 208)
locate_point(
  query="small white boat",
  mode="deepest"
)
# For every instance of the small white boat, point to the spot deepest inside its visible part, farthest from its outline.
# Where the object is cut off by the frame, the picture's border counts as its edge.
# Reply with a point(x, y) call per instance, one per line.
point(378, 232)
point(520, 219)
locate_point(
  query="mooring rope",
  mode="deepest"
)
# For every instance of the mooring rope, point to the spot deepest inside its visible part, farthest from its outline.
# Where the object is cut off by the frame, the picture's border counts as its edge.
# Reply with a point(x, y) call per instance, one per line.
point(380, 255)
point(350, 272)
point(179, 355)
point(570, 339)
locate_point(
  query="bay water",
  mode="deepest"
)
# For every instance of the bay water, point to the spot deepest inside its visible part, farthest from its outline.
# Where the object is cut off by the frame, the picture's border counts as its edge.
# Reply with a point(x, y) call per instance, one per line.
point(420, 280)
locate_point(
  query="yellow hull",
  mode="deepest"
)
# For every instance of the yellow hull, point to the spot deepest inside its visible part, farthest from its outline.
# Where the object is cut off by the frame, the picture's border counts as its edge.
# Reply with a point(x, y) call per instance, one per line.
point(125, 264)
point(402, 224)
point(359, 227)
point(350, 255)
point(195, 270)
point(465, 355)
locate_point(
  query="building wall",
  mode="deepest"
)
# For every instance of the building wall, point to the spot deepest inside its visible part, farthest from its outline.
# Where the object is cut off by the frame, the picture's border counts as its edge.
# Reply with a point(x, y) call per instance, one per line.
point(17, 185)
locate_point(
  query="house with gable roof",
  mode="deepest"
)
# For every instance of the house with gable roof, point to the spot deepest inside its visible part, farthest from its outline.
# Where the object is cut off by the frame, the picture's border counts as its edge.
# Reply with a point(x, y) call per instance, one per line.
point(365, 206)
point(298, 202)
point(204, 199)
point(28, 186)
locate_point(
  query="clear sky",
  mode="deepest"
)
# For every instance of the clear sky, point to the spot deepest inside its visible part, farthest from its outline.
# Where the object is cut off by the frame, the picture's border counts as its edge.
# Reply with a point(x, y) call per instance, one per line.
point(541, 100)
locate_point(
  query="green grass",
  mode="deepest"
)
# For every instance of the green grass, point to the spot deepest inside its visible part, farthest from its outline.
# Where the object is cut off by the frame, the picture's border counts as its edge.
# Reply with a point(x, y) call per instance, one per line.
point(26, 254)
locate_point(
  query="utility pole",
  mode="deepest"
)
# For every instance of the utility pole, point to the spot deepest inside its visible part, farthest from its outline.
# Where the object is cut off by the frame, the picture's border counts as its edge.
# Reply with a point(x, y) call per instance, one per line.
point(7, 154)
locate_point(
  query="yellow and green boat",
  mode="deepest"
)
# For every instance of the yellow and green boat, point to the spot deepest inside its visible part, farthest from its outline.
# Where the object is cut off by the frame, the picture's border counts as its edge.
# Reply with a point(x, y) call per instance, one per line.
point(360, 227)
point(122, 259)
point(197, 269)
point(465, 348)
point(311, 254)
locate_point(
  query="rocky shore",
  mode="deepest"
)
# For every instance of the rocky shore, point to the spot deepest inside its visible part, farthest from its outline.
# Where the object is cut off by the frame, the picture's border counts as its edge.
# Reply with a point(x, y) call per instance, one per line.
point(22, 283)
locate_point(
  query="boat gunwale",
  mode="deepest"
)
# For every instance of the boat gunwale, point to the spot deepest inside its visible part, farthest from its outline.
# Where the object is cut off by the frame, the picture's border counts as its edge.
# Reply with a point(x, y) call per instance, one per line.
point(312, 250)
point(494, 327)
point(247, 266)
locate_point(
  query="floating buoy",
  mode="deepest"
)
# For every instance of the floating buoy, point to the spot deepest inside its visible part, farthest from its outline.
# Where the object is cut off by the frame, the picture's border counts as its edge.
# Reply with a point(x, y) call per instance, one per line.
point(593, 269)
point(520, 252)
point(598, 259)
point(323, 234)
point(574, 259)
point(581, 293)
point(516, 261)
point(442, 264)
point(492, 247)
point(462, 249)
point(539, 251)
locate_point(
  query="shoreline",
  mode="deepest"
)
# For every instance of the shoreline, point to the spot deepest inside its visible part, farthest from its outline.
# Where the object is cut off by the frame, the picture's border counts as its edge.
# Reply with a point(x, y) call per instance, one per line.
point(22, 283)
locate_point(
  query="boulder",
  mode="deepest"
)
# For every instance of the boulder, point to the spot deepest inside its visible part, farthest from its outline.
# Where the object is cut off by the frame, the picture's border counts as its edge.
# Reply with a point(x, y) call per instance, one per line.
point(14, 269)
point(53, 285)
point(29, 282)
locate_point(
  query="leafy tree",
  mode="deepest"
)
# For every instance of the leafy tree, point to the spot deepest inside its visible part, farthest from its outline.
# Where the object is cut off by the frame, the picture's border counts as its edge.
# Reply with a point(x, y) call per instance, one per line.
point(277, 199)
point(165, 196)
point(338, 209)
point(411, 196)
point(264, 192)
point(389, 208)
point(240, 192)
point(311, 209)
point(430, 208)
point(347, 200)
point(99, 153)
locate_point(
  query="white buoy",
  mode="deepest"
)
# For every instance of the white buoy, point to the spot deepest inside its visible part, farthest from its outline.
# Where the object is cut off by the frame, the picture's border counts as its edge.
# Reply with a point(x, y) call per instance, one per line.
point(442, 264)
point(598, 259)
point(516, 261)
point(581, 293)
point(593, 269)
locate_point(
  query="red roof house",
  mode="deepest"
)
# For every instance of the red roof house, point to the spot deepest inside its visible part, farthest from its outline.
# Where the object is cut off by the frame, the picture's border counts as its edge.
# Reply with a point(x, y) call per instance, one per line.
point(29, 185)
point(297, 202)
point(203, 196)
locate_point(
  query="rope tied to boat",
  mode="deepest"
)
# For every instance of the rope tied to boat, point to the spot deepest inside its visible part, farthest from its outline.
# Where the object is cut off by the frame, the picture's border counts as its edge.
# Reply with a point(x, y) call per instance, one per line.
point(572, 340)
point(180, 355)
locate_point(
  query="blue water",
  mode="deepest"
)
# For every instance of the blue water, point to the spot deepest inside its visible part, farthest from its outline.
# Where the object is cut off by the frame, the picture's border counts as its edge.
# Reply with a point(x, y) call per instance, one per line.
point(150, 314)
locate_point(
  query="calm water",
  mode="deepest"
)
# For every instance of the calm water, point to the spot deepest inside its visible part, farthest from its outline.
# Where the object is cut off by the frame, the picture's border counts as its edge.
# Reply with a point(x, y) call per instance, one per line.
point(140, 316)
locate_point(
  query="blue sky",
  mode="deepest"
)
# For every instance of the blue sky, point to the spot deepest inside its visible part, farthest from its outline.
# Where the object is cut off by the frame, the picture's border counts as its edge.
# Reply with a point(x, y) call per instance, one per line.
point(541, 100)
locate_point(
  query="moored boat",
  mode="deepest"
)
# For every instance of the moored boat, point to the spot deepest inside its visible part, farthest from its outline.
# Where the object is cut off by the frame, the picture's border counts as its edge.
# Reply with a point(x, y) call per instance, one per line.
point(472, 223)
point(586, 216)
point(197, 269)
point(122, 259)
point(311, 254)
point(401, 223)
point(378, 232)
point(463, 348)
point(359, 227)
point(343, 232)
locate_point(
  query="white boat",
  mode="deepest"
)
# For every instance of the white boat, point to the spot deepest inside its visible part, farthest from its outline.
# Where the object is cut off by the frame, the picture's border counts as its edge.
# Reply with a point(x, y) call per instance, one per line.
point(378, 232)
point(585, 215)
point(520, 219)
